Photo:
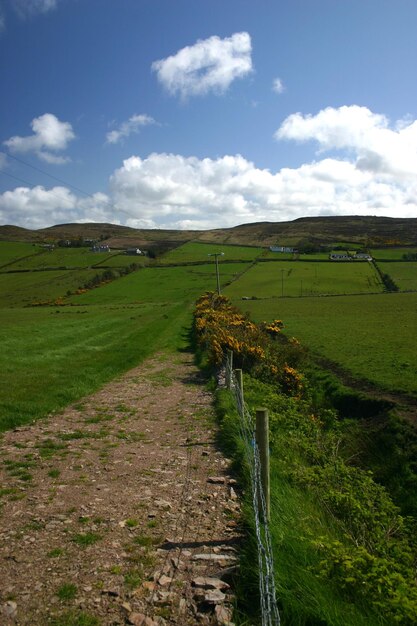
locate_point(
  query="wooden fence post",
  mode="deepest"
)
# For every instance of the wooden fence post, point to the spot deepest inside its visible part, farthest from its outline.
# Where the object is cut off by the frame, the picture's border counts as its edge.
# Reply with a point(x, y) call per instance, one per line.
point(262, 439)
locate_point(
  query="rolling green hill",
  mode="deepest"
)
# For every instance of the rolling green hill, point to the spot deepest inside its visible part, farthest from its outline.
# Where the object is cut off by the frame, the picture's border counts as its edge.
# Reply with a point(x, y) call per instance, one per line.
point(368, 231)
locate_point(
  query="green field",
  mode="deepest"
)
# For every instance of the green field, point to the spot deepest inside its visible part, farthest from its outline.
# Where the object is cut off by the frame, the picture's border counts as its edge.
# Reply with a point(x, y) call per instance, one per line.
point(197, 252)
point(374, 336)
point(403, 274)
point(11, 251)
point(121, 259)
point(30, 287)
point(61, 258)
point(53, 355)
point(163, 284)
point(391, 254)
point(299, 278)
point(286, 256)
point(278, 256)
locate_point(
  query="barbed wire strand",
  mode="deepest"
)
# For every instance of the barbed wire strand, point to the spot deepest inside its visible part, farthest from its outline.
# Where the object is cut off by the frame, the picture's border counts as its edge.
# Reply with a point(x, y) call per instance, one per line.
point(268, 603)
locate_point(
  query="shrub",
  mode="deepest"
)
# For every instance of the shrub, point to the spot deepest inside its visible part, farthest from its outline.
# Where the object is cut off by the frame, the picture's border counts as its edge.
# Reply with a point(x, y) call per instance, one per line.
point(220, 327)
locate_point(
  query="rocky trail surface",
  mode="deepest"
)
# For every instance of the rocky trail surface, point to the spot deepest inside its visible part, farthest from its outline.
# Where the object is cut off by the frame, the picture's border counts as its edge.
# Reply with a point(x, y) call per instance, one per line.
point(121, 509)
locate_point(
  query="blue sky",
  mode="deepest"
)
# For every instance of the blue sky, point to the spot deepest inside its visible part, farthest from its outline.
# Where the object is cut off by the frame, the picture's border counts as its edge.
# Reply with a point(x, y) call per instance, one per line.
point(206, 113)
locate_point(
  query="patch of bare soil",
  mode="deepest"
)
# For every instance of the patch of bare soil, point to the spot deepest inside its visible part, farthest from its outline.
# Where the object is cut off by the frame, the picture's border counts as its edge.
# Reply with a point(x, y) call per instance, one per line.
point(121, 509)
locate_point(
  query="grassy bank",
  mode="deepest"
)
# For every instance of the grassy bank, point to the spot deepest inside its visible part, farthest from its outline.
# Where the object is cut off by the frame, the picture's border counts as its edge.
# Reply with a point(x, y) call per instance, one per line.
point(344, 554)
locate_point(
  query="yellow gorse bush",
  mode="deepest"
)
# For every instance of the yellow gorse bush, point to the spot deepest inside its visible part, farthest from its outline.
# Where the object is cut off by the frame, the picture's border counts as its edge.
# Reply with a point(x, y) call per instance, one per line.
point(220, 327)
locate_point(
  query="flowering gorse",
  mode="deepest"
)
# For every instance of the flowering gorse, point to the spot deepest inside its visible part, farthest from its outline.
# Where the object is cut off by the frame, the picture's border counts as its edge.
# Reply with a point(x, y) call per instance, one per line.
point(220, 327)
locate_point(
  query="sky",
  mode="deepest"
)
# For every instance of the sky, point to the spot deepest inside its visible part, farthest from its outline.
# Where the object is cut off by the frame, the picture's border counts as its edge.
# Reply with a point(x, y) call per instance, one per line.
point(198, 114)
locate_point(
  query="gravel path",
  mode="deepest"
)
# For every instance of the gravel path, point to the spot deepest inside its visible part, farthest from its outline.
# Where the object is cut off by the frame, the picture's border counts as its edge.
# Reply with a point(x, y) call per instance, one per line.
point(121, 509)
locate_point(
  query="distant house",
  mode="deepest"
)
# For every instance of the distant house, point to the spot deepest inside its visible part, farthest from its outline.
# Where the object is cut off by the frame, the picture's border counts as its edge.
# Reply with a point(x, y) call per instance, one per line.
point(362, 256)
point(282, 249)
point(133, 251)
point(100, 248)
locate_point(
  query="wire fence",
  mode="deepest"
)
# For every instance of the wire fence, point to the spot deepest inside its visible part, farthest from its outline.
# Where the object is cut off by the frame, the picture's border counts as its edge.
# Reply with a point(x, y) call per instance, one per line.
point(268, 602)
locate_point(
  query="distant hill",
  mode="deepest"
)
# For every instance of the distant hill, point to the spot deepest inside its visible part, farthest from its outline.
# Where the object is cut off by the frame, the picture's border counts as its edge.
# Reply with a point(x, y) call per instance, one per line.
point(372, 231)
point(316, 230)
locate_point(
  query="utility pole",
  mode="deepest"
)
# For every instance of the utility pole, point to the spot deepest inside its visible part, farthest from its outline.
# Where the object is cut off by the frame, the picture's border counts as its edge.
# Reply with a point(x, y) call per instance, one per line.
point(282, 283)
point(216, 259)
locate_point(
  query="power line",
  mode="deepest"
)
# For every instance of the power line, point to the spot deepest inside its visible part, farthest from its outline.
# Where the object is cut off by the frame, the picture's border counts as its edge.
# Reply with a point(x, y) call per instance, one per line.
point(22, 180)
point(38, 169)
point(60, 180)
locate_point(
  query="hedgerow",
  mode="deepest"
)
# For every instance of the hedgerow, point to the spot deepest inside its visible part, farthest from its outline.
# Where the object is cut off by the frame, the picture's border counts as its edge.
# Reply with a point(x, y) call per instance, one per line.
point(369, 555)
point(220, 327)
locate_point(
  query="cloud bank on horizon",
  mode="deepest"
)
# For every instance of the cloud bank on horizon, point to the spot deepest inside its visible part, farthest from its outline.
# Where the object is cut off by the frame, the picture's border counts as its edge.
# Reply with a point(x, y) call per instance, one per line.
point(172, 191)
point(364, 164)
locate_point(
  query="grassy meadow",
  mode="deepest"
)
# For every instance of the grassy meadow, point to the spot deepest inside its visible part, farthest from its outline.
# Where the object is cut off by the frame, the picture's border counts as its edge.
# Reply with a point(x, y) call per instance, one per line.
point(61, 354)
point(54, 354)
point(121, 259)
point(23, 289)
point(392, 254)
point(11, 251)
point(119, 322)
point(192, 252)
point(404, 274)
point(61, 258)
point(161, 284)
point(300, 278)
point(372, 336)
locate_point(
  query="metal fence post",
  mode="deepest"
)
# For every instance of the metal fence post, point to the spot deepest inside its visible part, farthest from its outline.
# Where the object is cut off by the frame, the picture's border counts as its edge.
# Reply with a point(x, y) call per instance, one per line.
point(229, 369)
point(239, 380)
point(262, 439)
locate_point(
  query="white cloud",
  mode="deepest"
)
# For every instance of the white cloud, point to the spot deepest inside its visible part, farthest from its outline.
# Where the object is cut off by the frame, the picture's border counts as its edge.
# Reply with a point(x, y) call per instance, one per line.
point(367, 135)
point(54, 159)
point(49, 133)
point(38, 207)
point(33, 208)
point(209, 65)
point(174, 191)
point(278, 86)
point(26, 8)
point(133, 125)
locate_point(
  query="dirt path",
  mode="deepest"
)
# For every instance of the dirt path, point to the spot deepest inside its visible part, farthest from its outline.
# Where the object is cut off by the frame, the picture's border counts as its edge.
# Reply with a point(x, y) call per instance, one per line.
point(120, 507)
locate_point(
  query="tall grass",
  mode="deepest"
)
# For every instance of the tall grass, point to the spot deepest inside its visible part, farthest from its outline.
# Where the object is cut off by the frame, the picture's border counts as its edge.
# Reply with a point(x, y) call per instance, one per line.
point(297, 517)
